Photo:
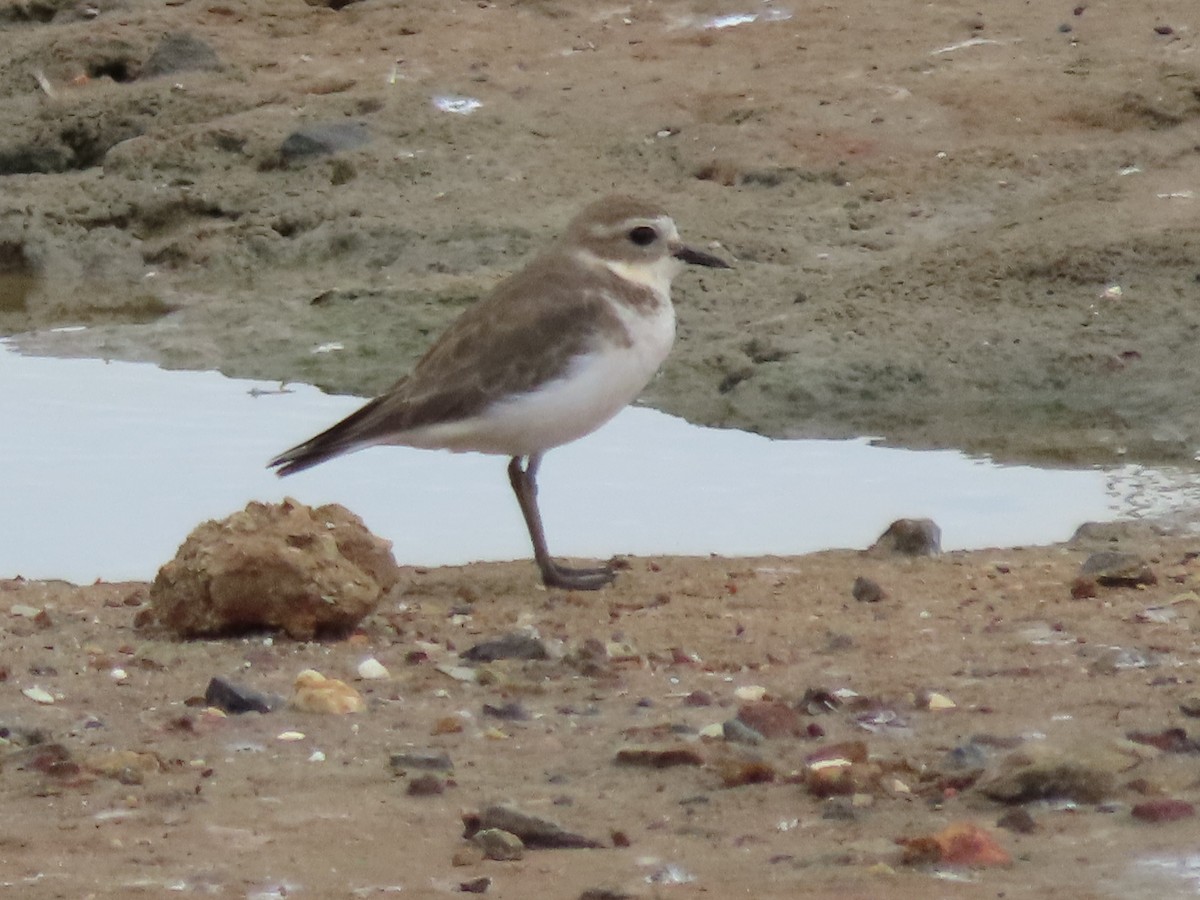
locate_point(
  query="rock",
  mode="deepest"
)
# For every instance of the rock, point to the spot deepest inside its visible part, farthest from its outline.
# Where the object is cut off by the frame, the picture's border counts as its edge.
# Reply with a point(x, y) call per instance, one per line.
point(1190, 706)
point(839, 809)
point(426, 785)
point(306, 571)
point(738, 771)
point(38, 695)
point(840, 769)
point(965, 759)
point(1169, 740)
point(499, 844)
point(738, 732)
point(371, 669)
point(935, 702)
point(1017, 820)
point(470, 855)
point(750, 693)
point(125, 766)
point(316, 693)
point(1113, 535)
point(509, 712)
point(1163, 810)
point(323, 140)
point(606, 893)
point(1113, 568)
point(659, 757)
point(517, 645)
point(532, 830)
point(958, 844)
point(866, 590)
point(772, 719)
point(1049, 773)
point(910, 537)
point(237, 698)
point(428, 760)
point(180, 52)
point(475, 885)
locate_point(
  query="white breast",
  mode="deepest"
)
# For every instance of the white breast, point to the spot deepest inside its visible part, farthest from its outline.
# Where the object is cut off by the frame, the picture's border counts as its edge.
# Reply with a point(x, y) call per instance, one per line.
point(594, 388)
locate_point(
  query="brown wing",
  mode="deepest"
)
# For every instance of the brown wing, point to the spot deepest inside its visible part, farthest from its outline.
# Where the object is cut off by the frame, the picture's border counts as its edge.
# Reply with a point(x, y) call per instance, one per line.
point(525, 332)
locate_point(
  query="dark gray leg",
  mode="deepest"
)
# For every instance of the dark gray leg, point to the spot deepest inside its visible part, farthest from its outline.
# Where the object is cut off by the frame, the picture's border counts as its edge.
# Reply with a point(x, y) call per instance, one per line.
point(524, 484)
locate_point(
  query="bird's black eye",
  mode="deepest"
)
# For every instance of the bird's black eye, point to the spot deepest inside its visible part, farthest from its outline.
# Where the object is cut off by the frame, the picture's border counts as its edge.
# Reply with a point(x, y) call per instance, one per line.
point(643, 235)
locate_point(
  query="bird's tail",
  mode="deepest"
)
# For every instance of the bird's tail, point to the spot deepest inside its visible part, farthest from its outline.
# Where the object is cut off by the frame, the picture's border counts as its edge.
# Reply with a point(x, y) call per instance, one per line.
point(344, 437)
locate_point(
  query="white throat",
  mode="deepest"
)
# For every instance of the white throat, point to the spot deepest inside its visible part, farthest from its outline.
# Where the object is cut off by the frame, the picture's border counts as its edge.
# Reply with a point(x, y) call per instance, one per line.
point(656, 275)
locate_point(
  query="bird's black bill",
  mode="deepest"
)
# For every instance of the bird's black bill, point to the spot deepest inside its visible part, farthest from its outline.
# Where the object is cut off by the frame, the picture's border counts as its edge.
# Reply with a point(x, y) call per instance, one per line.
point(700, 258)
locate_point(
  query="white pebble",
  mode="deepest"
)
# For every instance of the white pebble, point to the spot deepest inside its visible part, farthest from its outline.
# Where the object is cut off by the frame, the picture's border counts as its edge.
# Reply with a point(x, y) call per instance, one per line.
point(371, 669)
point(291, 736)
point(940, 702)
point(317, 756)
point(38, 695)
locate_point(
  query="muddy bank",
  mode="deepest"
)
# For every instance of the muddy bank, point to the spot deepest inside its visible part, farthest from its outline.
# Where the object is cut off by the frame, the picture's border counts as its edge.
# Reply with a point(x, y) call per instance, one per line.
point(951, 228)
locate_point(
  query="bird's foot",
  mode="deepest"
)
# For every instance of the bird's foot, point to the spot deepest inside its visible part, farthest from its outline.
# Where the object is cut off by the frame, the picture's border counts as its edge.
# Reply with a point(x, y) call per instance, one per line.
point(567, 578)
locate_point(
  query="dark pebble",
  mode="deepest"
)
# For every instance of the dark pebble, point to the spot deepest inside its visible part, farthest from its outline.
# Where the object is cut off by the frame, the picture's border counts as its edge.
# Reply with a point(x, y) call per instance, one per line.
point(323, 139)
point(517, 645)
point(237, 698)
point(1164, 810)
point(910, 537)
point(420, 759)
point(532, 830)
point(510, 712)
point(476, 885)
point(839, 809)
point(866, 590)
point(426, 785)
point(1018, 821)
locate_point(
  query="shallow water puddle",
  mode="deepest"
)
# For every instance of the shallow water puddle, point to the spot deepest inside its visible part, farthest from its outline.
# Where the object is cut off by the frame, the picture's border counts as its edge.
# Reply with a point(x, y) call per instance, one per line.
point(106, 467)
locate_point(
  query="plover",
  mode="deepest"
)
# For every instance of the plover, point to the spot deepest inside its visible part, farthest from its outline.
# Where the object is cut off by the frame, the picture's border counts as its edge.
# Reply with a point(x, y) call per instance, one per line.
point(551, 354)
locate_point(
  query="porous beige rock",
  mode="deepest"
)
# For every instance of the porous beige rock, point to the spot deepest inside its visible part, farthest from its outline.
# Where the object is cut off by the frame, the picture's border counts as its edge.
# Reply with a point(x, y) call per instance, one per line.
point(286, 565)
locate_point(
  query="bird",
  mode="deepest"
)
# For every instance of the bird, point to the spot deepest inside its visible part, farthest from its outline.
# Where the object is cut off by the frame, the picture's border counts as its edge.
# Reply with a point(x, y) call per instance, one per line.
point(553, 352)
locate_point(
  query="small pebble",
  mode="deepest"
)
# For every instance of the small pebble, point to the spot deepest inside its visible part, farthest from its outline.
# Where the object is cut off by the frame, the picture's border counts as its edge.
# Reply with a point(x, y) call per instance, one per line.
point(659, 757)
point(318, 694)
point(517, 645)
point(426, 785)
point(38, 695)
point(750, 692)
point(290, 736)
point(866, 590)
point(499, 844)
point(1164, 810)
point(1190, 706)
point(371, 669)
point(1017, 820)
point(434, 760)
point(935, 702)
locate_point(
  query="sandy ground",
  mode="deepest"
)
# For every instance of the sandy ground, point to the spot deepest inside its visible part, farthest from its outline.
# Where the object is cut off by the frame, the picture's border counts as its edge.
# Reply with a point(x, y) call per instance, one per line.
point(951, 228)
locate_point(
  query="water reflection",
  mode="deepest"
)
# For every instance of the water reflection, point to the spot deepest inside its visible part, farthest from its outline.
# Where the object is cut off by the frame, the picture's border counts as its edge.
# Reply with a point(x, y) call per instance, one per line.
point(105, 468)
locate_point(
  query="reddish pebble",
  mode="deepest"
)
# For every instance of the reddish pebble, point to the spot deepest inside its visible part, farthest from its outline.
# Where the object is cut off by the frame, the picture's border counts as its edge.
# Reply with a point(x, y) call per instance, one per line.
point(1163, 810)
point(772, 719)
